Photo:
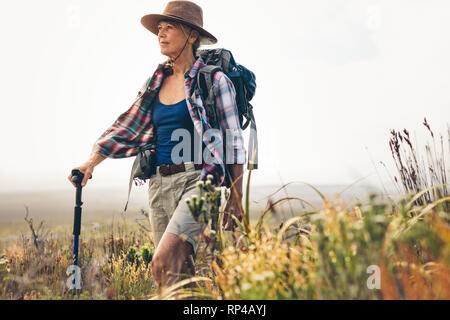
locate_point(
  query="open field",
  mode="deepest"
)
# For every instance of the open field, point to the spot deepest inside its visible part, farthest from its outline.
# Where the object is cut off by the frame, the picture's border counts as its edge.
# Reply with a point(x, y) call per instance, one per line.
point(295, 242)
point(338, 244)
point(101, 206)
point(57, 206)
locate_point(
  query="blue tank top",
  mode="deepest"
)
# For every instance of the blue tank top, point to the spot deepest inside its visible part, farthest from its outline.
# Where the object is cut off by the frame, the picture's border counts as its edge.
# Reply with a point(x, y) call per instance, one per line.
point(167, 118)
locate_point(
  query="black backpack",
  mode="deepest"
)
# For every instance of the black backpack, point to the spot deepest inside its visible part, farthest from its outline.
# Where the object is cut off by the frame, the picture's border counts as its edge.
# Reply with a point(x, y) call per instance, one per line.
point(244, 82)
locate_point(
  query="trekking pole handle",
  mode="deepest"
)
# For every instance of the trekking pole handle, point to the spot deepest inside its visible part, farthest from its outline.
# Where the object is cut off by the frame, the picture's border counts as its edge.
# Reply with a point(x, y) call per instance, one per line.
point(77, 176)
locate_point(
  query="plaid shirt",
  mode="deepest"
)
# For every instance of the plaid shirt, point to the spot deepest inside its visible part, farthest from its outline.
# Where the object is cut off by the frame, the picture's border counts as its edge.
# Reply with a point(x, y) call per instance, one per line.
point(134, 128)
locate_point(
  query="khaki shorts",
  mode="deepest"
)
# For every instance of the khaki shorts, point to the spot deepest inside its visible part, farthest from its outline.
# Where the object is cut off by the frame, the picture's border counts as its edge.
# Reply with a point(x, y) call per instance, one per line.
point(167, 203)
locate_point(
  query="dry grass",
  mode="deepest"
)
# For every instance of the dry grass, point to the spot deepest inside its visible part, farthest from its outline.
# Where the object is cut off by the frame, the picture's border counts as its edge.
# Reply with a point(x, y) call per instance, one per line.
point(328, 257)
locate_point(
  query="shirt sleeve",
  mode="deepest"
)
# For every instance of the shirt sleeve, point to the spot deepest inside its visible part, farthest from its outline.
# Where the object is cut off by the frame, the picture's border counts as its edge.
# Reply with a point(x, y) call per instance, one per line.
point(225, 94)
point(131, 130)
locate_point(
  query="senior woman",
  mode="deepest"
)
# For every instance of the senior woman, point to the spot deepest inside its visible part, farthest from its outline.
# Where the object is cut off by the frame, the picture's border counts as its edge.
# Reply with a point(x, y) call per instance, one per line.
point(165, 104)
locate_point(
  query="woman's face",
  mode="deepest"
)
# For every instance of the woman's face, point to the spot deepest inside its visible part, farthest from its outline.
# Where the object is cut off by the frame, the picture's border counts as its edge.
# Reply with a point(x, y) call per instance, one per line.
point(171, 38)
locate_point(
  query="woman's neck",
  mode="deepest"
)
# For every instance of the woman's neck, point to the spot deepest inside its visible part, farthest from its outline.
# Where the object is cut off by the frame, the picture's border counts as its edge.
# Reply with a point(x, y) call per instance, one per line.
point(183, 64)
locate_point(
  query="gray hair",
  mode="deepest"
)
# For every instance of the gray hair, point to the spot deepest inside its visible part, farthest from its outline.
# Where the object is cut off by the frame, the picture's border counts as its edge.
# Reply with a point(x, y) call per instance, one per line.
point(186, 30)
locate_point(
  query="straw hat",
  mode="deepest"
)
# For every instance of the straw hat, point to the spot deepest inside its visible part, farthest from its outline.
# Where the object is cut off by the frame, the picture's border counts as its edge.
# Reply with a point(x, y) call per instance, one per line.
point(182, 11)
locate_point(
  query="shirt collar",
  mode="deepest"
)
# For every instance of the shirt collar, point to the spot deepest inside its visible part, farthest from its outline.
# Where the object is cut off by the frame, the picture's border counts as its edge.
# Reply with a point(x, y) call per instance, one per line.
point(197, 66)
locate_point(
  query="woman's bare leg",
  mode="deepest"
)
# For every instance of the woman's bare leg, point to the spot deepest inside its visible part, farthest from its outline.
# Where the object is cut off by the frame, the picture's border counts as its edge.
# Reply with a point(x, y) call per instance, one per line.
point(170, 260)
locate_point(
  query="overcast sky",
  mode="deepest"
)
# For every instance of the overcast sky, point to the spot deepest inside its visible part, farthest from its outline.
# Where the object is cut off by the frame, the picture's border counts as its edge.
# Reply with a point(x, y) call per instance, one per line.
point(334, 77)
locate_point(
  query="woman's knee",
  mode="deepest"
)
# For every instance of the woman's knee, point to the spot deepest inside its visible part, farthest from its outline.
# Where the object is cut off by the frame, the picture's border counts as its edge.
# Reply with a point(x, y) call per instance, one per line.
point(170, 246)
point(157, 266)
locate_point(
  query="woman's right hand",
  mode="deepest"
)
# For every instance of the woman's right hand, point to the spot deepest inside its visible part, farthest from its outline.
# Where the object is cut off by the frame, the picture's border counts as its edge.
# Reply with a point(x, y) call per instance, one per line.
point(87, 169)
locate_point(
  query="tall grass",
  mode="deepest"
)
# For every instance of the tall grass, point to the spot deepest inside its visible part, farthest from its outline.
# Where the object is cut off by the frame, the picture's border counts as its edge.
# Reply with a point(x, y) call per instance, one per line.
point(415, 173)
point(332, 260)
point(336, 255)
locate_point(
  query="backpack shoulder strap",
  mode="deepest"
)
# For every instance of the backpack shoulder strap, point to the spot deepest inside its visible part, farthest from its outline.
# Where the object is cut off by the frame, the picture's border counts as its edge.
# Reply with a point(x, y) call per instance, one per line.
point(205, 86)
point(205, 77)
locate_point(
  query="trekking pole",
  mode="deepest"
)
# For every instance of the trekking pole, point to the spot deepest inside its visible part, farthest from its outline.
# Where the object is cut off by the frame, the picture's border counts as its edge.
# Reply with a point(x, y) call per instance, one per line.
point(77, 177)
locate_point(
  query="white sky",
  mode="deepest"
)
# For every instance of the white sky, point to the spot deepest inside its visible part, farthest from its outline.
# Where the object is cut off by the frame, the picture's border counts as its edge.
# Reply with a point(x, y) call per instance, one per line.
point(333, 78)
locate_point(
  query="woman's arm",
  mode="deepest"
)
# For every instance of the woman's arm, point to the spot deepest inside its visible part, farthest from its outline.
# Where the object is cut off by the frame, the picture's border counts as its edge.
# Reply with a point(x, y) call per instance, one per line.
point(132, 129)
point(225, 94)
point(229, 122)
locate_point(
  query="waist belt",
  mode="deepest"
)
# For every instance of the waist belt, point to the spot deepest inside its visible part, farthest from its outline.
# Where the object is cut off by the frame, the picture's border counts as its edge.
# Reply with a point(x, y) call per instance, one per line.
point(169, 169)
point(165, 170)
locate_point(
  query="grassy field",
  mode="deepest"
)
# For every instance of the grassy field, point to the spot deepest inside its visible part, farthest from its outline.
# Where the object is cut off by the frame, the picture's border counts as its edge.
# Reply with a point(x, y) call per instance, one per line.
point(378, 247)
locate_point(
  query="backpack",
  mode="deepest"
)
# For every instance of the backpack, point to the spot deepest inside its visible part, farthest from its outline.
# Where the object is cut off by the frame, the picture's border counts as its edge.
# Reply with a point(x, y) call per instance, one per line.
point(244, 82)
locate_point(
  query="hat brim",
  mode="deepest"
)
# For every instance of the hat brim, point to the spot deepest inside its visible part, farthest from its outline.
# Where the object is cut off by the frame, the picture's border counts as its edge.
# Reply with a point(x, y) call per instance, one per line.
point(150, 22)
